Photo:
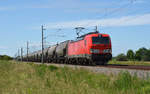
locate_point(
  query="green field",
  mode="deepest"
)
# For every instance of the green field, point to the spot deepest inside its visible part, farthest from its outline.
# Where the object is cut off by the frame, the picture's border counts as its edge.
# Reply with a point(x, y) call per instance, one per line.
point(130, 62)
point(23, 78)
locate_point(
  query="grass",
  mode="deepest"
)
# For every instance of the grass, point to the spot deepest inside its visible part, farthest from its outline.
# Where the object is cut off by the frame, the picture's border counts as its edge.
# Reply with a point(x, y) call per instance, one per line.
point(130, 62)
point(23, 78)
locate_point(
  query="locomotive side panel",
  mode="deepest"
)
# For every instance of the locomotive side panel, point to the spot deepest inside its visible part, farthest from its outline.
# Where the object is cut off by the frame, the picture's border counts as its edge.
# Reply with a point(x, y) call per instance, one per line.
point(77, 49)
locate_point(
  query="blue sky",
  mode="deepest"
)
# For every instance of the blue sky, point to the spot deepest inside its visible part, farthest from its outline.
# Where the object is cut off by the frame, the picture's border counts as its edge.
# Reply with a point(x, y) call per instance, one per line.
point(126, 21)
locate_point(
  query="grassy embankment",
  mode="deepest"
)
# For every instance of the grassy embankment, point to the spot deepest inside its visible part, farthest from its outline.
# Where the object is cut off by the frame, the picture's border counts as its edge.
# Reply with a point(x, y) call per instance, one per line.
point(130, 62)
point(22, 78)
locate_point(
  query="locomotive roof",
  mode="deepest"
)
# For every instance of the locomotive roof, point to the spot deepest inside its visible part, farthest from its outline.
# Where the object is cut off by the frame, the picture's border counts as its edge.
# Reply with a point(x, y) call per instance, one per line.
point(82, 36)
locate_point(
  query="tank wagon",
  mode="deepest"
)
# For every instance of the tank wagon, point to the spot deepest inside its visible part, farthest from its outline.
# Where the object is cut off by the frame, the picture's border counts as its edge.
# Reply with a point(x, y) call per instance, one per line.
point(51, 53)
point(91, 48)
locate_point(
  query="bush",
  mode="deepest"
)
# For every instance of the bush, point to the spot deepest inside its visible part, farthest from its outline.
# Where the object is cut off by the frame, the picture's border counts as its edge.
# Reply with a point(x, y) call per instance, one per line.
point(40, 70)
point(142, 54)
point(121, 57)
point(130, 55)
point(52, 68)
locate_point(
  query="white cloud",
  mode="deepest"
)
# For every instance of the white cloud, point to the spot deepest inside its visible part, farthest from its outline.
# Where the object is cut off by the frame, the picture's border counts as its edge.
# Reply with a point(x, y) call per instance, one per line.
point(111, 22)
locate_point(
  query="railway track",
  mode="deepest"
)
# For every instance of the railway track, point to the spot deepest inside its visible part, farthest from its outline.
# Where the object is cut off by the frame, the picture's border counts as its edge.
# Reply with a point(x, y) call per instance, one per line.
point(119, 66)
point(135, 67)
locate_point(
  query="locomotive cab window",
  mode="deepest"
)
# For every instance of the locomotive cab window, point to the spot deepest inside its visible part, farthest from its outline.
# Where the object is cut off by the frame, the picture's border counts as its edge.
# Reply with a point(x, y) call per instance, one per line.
point(100, 40)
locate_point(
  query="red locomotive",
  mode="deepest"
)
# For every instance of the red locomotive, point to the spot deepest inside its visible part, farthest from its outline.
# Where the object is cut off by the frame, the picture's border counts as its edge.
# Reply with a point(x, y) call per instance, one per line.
point(91, 48)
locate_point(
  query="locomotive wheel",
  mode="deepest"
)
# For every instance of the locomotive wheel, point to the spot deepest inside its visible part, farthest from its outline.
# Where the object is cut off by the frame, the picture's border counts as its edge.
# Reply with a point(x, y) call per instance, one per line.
point(63, 61)
point(91, 63)
point(67, 61)
point(101, 63)
point(105, 62)
point(77, 61)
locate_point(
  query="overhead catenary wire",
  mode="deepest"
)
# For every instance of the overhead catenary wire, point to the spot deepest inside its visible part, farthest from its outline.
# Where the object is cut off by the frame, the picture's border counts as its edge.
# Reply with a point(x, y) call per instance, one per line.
point(114, 11)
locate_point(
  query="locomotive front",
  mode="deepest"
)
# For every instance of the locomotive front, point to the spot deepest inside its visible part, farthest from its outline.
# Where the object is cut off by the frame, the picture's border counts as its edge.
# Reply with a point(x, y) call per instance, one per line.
point(100, 48)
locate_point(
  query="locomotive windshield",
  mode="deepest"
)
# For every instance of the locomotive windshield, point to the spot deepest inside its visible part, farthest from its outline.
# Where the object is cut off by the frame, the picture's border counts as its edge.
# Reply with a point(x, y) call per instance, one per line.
point(100, 40)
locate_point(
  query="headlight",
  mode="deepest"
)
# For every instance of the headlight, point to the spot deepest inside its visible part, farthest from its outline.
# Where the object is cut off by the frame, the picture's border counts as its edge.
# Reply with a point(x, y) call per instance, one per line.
point(107, 51)
point(94, 50)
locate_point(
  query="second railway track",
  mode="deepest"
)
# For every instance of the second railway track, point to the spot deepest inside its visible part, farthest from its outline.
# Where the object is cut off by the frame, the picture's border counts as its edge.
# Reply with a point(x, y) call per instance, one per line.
point(120, 66)
point(136, 67)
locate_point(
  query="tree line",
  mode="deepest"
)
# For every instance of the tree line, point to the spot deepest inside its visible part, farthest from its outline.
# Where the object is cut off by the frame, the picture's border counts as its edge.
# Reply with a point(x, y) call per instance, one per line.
point(142, 54)
point(5, 57)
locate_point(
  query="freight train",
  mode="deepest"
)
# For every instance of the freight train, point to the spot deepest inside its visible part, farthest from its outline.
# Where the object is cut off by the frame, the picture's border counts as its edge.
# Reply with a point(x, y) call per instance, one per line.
point(91, 48)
